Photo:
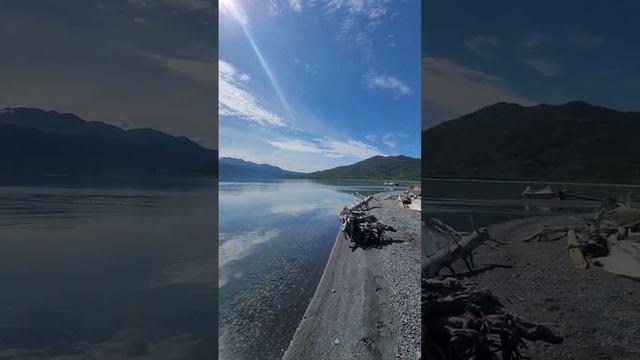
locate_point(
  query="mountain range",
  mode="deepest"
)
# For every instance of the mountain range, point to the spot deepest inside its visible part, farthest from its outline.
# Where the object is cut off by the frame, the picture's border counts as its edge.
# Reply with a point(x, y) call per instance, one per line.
point(34, 141)
point(575, 141)
point(232, 168)
point(375, 168)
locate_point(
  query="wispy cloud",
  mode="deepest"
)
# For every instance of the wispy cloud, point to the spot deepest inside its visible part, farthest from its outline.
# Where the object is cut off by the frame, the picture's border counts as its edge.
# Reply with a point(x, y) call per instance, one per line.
point(385, 82)
point(534, 51)
point(545, 67)
point(187, 5)
point(351, 148)
point(372, 9)
point(234, 100)
point(296, 5)
point(585, 40)
point(329, 148)
point(371, 137)
point(197, 70)
point(482, 45)
point(391, 139)
point(457, 89)
point(296, 145)
point(535, 39)
point(387, 140)
point(358, 18)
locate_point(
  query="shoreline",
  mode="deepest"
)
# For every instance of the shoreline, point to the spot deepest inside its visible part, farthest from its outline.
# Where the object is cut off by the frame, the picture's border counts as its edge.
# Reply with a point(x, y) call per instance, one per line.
point(539, 182)
point(595, 311)
point(366, 305)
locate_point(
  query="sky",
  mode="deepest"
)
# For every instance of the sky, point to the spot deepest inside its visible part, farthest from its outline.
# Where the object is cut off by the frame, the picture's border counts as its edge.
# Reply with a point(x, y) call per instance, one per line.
point(476, 53)
point(130, 63)
point(313, 84)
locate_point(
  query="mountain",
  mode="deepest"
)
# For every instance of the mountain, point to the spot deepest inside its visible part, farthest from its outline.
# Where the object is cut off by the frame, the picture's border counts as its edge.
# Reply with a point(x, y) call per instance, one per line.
point(575, 141)
point(34, 141)
point(231, 168)
point(375, 168)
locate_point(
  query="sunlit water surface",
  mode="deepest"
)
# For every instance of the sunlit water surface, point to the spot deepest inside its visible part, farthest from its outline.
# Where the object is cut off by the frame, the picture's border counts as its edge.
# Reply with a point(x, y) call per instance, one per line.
point(275, 239)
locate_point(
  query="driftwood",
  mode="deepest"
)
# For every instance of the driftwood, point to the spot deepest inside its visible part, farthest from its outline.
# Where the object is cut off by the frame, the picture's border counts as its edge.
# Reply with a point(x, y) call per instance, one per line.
point(461, 322)
point(461, 247)
point(549, 234)
point(360, 228)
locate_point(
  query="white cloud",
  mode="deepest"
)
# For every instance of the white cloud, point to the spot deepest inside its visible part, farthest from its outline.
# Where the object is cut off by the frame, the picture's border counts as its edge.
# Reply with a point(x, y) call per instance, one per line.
point(371, 137)
point(457, 89)
point(351, 148)
point(296, 5)
point(296, 145)
point(585, 40)
point(187, 5)
point(535, 39)
point(234, 100)
point(372, 9)
point(386, 82)
point(545, 67)
point(388, 138)
point(197, 70)
point(334, 156)
point(482, 45)
point(329, 148)
point(358, 18)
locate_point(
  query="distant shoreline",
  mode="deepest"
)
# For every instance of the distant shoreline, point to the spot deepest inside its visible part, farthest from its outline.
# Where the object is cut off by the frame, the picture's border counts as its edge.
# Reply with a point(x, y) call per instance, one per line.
point(512, 181)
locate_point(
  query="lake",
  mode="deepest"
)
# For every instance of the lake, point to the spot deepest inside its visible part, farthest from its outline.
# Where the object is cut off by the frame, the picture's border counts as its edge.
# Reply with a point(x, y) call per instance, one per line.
point(108, 268)
point(275, 239)
point(489, 202)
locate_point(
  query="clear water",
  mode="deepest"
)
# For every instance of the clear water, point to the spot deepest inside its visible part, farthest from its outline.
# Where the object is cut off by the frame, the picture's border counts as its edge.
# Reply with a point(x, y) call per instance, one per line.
point(109, 268)
point(275, 239)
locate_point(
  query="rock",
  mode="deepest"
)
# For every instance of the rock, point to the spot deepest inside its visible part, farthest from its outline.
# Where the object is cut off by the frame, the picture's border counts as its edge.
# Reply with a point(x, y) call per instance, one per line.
point(336, 342)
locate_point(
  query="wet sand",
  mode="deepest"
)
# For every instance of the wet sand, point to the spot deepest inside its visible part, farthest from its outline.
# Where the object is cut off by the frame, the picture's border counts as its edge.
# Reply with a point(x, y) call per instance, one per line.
point(597, 312)
point(366, 305)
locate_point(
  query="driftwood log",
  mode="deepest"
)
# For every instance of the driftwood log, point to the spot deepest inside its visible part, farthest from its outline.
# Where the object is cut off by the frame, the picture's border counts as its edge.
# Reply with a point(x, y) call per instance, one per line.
point(461, 247)
point(362, 229)
point(460, 322)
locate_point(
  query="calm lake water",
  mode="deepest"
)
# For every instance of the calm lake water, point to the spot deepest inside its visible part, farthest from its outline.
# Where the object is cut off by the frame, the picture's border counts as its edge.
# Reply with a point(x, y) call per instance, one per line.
point(275, 239)
point(491, 202)
point(111, 269)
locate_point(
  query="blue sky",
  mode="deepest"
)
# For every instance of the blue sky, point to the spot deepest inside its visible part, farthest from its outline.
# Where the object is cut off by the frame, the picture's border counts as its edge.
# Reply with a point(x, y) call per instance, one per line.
point(478, 52)
point(339, 81)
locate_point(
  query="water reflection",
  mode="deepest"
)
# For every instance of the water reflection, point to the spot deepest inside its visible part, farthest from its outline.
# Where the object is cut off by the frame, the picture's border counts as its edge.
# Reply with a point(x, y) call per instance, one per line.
point(108, 272)
point(275, 238)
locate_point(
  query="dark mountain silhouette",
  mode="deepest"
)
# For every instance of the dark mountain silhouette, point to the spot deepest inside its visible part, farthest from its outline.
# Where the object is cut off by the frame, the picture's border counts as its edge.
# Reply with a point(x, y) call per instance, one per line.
point(575, 141)
point(232, 168)
point(377, 167)
point(34, 141)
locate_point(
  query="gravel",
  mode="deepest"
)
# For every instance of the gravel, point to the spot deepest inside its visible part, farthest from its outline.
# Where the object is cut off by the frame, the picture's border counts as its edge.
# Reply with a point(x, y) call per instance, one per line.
point(598, 313)
point(366, 305)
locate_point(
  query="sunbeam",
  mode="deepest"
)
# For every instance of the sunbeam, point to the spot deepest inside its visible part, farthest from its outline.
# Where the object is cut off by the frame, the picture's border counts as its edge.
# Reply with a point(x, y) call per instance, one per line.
point(234, 9)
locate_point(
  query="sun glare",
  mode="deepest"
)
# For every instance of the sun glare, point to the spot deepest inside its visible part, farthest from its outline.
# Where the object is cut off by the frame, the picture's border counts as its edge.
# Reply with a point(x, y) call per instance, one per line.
point(232, 9)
